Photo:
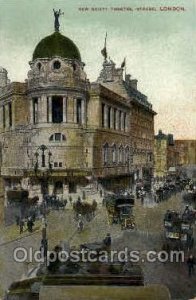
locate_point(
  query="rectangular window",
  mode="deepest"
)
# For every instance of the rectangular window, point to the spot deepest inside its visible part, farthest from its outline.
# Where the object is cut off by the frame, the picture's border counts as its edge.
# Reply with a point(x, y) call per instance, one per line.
point(114, 118)
point(109, 117)
point(119, 120)
point(124, 121)
point(35, 110)
point(55, 164)
point(10, 114)
point(79, 111)
point(57, 109)
point(65, 109)
point(57, 136)
point(3, 116)
point(102, 114)
point(47, 110)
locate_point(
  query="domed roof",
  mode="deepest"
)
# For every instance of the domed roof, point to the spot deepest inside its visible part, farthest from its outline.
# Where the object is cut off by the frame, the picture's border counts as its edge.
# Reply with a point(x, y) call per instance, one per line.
point(56, 44)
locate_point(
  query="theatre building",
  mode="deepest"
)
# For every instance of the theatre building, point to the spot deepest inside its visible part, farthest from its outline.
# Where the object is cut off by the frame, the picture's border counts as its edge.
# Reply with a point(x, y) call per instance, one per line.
point(59, 132)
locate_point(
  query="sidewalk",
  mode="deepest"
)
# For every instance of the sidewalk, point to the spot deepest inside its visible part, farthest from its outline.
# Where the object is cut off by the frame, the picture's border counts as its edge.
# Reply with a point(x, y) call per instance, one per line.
point(11, 233)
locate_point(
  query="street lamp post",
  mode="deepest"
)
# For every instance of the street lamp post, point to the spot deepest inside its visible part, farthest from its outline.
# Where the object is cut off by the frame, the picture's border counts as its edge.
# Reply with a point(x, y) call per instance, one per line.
point(43, 171)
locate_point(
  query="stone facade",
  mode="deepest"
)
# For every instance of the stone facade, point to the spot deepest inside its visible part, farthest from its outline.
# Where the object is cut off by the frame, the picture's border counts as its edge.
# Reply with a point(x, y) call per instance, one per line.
point(58, 131)
point(138, 120)
point(166, 155)
point(187, 152)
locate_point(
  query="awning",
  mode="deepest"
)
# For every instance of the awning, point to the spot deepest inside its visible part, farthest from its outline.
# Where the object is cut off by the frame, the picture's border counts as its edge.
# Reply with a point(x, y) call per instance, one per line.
point(17, 195)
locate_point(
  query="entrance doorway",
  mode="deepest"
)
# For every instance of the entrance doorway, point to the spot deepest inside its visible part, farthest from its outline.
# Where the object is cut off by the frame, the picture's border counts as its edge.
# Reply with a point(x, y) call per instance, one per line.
point(72, 187)
point(58, 187)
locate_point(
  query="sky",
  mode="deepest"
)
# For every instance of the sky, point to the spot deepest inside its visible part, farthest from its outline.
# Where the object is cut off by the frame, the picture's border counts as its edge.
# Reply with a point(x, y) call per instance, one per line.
point(159, 46)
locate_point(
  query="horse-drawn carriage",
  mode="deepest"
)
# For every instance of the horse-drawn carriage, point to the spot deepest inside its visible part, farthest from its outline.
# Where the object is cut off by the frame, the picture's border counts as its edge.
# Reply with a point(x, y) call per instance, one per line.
point(120, 209)
point(85, 209)
point(178, 230)
point(53, 202)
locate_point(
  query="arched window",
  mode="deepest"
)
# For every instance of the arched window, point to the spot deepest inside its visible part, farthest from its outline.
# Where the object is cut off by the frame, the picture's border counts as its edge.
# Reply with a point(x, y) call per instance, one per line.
point(57, 137)
point(105, 153)
point(56, 64)
point(114, 154)
point(127, 154)
point(121, 154)
point(39, 65)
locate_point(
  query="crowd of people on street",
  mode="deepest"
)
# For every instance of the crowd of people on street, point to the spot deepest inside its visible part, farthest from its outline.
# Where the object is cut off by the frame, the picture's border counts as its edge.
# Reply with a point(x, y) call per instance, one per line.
point(160, 189)
point(28, 223)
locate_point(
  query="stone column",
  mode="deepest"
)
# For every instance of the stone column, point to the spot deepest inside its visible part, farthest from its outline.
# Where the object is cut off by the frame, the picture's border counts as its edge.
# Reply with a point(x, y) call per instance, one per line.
point(105, 116)
point(111, 117)
point(1, 117)
point(126, 122)
point(122, 121)
point(43, 109)
point(64, 109)
point(39, 102)
point(50, 109)
point(6, 116)
point(117, 119)
point(83, 111)
point(74, 110)
point(31, 110)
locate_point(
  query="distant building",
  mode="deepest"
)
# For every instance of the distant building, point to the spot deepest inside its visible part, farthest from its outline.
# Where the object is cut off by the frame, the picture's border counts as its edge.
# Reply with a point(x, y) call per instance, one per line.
point(166, 155)
point(58, 131)
point(187, 151)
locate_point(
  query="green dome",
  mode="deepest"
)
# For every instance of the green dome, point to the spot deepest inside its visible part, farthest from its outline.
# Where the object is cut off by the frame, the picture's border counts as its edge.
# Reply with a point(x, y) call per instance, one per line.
point(56, 44)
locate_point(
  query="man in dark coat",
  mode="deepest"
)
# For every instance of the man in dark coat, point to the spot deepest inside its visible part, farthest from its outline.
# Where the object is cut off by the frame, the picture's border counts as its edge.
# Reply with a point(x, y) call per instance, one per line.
point(191, 262)
point(107, 241)
point(21, 225)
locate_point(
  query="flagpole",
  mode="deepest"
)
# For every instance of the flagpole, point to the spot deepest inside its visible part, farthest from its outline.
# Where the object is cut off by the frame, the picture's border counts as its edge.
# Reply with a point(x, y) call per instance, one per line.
point(125, 67)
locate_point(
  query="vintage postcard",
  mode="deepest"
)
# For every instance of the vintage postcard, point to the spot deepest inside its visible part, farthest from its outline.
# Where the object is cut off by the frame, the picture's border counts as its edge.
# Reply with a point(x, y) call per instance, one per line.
point(97, 149)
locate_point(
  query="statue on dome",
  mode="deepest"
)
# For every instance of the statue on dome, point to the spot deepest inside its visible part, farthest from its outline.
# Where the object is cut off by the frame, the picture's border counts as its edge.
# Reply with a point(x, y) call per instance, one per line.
point(104, 50)
point(57, 14)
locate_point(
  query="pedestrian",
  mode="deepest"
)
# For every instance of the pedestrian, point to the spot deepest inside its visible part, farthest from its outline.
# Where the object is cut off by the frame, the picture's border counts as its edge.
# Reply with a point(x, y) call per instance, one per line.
point(107, 242)
point(44, 222)
point(44, 247)
point(191, 262)
point(17, 220)
point(70, 200)
point(30, 224)
point(80, 225)
point(21, 226)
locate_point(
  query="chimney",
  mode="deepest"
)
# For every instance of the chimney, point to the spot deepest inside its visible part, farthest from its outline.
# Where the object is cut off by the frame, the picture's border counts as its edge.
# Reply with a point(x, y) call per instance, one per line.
point(128, 78)
point(133, 83)
point(3, 77)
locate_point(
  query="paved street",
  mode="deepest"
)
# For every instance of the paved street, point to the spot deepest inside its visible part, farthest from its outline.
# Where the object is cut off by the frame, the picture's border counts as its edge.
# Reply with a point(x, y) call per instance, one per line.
point(147, 236)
